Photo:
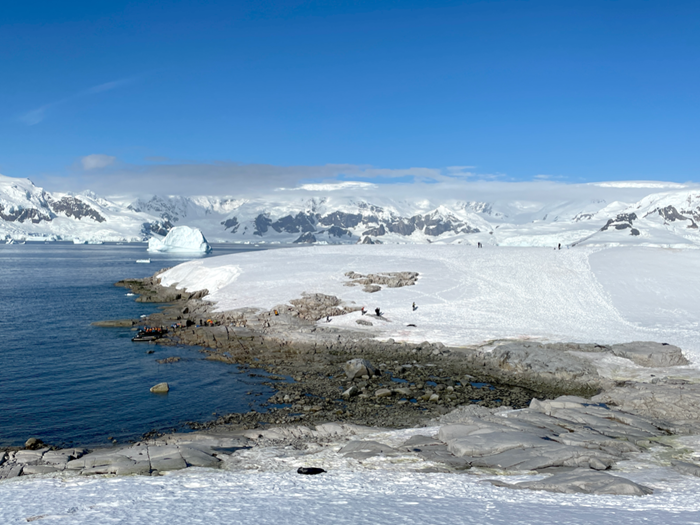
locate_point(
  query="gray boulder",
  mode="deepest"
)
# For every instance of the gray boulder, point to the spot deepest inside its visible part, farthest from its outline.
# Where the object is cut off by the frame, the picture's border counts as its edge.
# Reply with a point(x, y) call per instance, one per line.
point(33, 444)
point(650, 354)
point(160, 388)
point(356, 368)
point(383, 392)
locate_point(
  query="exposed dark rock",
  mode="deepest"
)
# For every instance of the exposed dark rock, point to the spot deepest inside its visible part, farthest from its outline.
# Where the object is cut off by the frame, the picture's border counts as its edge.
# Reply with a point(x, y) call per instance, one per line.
point(231, 223)
point(375, 232)
point(75, 208)
point(157, 227)
point(341, 219)
point(669, 213)
point(336, 231)
point(302, 222)
point(621, 222)
point(402, 226)
point(262, 223)
point(23, 215)
point(306, 238)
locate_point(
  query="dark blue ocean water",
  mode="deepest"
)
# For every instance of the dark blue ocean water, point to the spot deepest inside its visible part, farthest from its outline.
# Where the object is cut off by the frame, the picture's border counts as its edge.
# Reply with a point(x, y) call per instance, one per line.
point(65, 381)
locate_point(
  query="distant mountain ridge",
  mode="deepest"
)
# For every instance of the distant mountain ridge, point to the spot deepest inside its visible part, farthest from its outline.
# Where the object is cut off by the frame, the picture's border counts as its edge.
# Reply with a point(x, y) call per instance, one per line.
point(668, 218)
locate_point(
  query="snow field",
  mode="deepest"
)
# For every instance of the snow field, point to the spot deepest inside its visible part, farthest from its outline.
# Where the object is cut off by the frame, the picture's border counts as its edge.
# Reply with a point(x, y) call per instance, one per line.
point(467, 296)
point(371, 496)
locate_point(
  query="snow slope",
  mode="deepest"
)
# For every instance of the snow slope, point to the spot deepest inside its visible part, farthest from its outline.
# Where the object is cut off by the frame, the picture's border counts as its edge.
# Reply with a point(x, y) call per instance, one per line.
point(467, 295)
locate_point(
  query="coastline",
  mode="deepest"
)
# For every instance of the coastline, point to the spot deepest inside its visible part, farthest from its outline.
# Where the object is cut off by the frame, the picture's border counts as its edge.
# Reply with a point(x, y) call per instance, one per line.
point(436, 391)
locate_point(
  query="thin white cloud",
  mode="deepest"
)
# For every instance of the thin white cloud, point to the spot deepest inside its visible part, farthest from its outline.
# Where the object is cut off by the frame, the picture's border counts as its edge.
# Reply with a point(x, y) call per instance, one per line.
point(337, 186)
point(107, 86)
point(228, 178)
point(639, 184)
point(35, 116)
point(97, 161)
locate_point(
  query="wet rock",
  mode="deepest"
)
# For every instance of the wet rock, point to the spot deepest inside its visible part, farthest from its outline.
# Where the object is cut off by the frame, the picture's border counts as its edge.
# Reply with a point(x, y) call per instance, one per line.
point(160, 388)
point(167, 360)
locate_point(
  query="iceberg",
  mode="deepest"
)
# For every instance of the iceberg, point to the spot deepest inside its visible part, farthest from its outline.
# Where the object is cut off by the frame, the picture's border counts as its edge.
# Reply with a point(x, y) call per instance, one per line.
point(181, 239)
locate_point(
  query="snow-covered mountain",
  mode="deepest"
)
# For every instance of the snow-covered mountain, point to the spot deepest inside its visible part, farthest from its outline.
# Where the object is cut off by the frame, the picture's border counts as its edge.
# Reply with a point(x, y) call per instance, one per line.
point(28, 212)
point(668, 219)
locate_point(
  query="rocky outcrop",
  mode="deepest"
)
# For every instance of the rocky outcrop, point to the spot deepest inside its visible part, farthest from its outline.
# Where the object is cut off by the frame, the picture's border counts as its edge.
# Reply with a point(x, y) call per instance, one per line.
point(581, 481)
point(621, 222)
point(676, 402)
point(231, 223)
point(650, 354)
point(305, 238)
point(316, 306)
point(173, 452)
point(33, 215)
point(75, 208)
point(371, 282)
point(301, 222)
point(568, 366)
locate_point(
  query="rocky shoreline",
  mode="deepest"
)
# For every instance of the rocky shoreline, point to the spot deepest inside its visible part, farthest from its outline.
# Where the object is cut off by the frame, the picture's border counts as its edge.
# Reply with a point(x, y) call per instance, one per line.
point(502, 406)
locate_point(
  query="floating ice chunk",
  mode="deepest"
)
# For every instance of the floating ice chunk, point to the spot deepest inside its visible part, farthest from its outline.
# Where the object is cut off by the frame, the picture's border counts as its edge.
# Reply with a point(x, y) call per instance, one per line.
point(181, 239)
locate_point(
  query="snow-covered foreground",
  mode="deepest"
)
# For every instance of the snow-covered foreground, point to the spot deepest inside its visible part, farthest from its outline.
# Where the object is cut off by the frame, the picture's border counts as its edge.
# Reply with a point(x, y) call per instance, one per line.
point(464, 296)
point(372, 496)
point(467, 295)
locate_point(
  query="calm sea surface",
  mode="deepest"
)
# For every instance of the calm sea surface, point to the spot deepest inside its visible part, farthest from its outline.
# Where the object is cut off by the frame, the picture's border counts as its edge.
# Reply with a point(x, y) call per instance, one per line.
point(65, 381)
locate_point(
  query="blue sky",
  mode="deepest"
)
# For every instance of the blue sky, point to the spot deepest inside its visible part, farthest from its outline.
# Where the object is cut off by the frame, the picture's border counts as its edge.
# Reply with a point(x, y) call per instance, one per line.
point(283, 92)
